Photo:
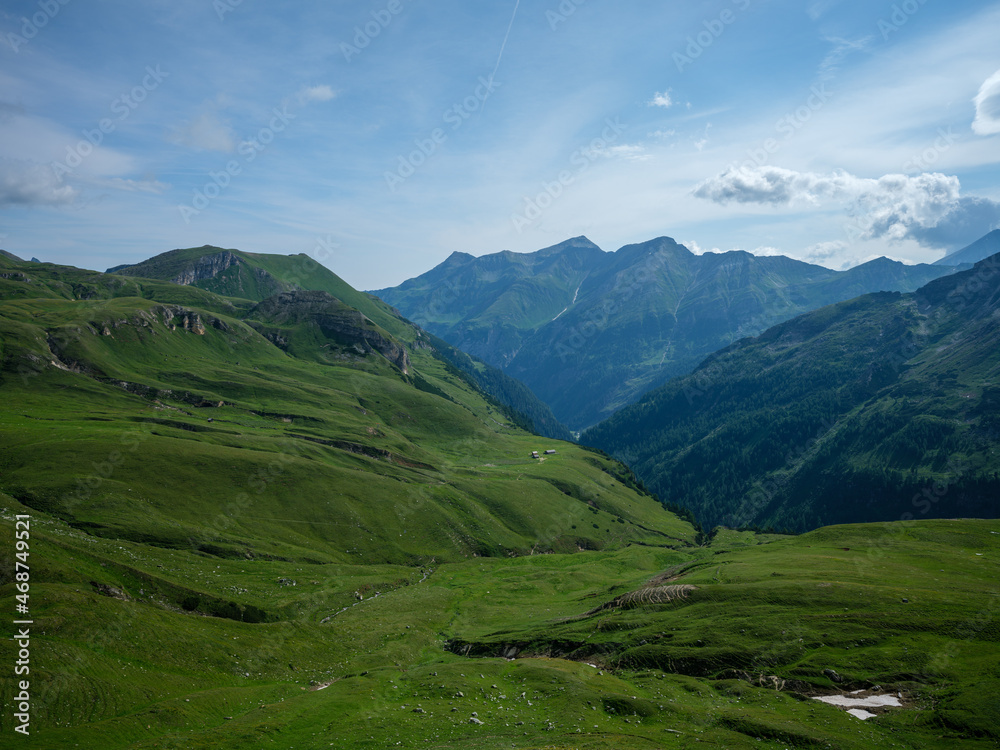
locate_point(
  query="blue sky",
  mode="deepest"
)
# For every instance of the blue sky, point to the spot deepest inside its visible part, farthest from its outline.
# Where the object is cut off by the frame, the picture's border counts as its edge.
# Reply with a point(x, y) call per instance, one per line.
point(382, 136)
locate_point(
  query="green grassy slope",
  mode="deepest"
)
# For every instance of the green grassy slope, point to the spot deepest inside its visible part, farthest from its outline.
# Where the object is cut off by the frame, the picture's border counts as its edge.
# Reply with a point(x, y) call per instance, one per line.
point(364, 656)
point(256, 276)
point(881, 408)
point(235, 544)
point(326, 449)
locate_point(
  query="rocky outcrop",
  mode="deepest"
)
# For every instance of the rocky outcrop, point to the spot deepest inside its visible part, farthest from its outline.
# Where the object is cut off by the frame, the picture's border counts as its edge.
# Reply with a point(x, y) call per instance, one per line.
point(338, 322)
point(179, 317)
point(207, 267)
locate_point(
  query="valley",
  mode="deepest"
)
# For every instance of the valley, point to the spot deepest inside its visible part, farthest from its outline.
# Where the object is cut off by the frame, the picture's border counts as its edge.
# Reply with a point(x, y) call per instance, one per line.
point(469, 376)
point(299, 521)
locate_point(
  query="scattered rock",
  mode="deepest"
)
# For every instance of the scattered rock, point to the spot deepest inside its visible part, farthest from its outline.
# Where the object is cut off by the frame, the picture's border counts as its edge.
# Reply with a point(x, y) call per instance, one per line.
point(114, 592)
point(474, 720)
point(832, 674)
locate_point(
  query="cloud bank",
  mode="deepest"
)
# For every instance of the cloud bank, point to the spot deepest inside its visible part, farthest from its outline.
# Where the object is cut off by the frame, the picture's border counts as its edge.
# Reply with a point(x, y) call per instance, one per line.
point(927, 208)
point(25, 183)
point(987, 103)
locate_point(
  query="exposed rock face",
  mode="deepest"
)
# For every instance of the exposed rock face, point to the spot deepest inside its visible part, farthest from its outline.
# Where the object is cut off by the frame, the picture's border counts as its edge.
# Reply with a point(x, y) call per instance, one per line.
point(207, 267)
point(186, 319)
point(337, 321)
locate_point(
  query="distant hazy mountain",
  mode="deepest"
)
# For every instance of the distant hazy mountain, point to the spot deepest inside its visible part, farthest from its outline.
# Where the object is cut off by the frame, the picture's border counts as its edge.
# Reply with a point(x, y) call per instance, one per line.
point(883, 408)
point(256, 277)
point(979, 250)
point(590, 331)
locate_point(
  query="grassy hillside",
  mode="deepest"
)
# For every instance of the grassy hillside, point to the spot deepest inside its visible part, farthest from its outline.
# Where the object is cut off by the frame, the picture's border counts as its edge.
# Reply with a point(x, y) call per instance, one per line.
point(261, 429)
point(881, 408)
point(258, 526)
point(374, 656)
point(256, 277)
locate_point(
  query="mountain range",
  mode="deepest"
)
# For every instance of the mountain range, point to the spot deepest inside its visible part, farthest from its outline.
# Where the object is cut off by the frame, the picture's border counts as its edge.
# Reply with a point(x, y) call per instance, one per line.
point(881, 408)
point(590, 331)
point(274, 513)
point(256, 276)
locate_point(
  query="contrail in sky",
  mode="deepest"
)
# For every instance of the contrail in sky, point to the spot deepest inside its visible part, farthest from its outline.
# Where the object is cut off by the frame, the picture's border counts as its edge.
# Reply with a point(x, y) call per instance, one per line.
point(502, 48)
point(506, 36)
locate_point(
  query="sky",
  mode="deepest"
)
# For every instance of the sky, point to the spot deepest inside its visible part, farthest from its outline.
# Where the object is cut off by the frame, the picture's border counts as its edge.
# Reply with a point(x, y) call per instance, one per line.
point(380, 137)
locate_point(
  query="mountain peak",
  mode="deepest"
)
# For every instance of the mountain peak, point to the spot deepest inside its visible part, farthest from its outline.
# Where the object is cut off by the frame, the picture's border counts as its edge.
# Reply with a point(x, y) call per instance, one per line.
point(573, 243)
point(979, 250)
point(458, 257)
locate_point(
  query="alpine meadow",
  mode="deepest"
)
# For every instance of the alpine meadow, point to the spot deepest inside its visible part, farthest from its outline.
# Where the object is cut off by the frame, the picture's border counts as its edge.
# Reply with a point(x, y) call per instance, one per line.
point(545, 375)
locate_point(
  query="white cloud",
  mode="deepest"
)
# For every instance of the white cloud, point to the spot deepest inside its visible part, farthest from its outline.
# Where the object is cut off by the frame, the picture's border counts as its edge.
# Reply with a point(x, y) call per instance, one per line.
point(823, 252)
point(134, 186)
point(697, 249)
point(843, 48)
point(987, 102)
point(626, 152)
point(662, 100)
point(207, 132)
point(818, 9)
point(773, 185)
point(322, 93)
point(25, 183)
point(928, 208)
point(767, 251)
